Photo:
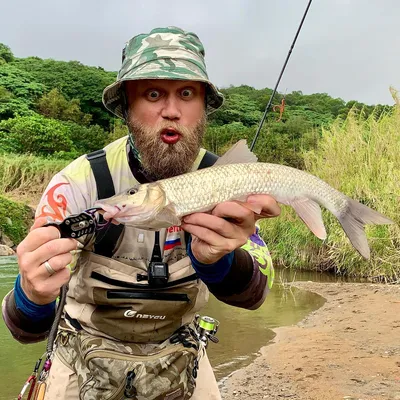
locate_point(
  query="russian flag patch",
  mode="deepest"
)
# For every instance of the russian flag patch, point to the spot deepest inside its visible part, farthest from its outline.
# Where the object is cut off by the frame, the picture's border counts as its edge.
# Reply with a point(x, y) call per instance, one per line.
point(173, 238)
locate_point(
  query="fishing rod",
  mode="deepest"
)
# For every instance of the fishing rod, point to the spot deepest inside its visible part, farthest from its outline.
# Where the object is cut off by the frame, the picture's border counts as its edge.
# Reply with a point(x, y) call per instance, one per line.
point(279, 79)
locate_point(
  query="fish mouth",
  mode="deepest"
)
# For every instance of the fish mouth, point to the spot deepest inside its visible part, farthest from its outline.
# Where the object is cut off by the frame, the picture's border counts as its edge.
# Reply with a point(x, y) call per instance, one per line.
point(170, 136)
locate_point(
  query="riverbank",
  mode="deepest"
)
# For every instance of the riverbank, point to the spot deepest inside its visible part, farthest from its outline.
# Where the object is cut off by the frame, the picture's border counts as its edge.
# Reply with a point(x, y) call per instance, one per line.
point(347, 349)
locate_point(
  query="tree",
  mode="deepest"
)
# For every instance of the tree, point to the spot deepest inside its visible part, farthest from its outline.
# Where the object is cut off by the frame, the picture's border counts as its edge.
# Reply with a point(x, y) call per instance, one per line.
point(75, 81)
point(34, 134)
point(6, 54)
point(11, 106)
point(237, 108)
point(20, 83)
point(55, 105)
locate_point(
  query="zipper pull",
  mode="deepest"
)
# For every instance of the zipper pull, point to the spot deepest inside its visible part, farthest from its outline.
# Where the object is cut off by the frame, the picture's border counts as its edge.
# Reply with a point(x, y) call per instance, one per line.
point(130, 390)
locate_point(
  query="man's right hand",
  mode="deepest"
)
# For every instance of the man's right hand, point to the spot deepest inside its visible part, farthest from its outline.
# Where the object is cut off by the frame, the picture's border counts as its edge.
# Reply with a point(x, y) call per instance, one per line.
point(42, 244)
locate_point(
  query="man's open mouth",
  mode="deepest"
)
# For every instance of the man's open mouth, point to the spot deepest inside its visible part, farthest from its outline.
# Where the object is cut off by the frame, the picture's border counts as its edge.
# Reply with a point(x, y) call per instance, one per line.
point(170, 136)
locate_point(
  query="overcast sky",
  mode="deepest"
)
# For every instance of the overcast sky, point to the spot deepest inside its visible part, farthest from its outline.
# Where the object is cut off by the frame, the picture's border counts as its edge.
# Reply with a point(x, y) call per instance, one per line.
point(347, 48)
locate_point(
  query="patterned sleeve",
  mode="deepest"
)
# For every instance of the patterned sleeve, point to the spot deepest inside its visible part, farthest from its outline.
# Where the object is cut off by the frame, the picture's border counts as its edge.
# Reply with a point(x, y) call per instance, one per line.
point(250, 278)
point(61, 198)
point(261, 256)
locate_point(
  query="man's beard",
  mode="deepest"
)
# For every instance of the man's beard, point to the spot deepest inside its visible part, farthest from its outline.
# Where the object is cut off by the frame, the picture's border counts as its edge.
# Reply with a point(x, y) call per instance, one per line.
point(162, 160)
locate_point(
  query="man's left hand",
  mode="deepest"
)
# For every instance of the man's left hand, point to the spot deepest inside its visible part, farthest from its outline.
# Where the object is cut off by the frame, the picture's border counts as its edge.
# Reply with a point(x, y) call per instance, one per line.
point(228, 227)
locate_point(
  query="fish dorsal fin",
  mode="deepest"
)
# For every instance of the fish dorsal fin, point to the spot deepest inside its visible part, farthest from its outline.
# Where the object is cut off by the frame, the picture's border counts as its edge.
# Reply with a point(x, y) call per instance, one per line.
point(238, 153)
point(310, 212)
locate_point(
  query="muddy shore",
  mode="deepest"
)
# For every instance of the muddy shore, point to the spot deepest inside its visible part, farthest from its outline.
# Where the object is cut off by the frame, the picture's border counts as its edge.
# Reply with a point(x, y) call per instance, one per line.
point(347, 349)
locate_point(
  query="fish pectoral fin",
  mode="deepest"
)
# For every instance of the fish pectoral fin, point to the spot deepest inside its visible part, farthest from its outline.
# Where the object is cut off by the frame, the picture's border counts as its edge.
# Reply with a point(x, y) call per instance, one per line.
point(310, 212)
point(256, 208)
point(238, 153)
point(168, 215)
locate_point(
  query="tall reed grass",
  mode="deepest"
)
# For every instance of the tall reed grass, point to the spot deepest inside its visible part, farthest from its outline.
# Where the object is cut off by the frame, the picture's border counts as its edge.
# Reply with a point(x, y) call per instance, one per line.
point(359, 157)
point(25, 177)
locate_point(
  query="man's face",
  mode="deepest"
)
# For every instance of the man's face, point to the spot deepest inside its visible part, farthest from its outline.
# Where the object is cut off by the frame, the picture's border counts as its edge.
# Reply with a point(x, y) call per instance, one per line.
point(167, 120)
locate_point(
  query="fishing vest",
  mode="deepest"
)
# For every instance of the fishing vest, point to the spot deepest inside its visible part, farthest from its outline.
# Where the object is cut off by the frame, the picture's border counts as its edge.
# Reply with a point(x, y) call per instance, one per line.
point(110, 293)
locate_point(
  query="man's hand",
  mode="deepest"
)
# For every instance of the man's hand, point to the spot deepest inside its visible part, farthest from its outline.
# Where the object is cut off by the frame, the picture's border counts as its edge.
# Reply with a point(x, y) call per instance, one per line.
point(227, 227)
point(40, 284)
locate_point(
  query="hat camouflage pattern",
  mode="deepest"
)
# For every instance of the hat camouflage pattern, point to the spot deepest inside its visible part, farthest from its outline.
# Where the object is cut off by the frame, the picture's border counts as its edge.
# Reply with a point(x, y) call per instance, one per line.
point(164, 53)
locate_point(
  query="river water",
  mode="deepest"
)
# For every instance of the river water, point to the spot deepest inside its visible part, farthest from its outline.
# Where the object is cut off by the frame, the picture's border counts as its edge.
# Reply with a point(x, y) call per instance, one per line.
point(241, 334)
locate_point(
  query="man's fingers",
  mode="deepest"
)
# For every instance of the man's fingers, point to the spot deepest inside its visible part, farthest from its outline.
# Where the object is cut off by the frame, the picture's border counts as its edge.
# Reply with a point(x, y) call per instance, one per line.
point(54, 265)
point(211, 238)
point(269, 206)
point(212, 223)
point(39, 222)
point(45, 291)
point(37, 238)
point(233, 210)
point(32, 260)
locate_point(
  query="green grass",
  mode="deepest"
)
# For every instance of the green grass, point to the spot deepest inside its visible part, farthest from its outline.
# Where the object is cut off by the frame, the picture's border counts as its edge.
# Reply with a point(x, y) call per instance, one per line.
point(15, 219)
point(25, 177)
point(360, 158)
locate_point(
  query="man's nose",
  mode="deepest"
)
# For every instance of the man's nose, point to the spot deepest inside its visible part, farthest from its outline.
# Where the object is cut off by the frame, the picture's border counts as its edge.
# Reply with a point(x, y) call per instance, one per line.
point(171, 109)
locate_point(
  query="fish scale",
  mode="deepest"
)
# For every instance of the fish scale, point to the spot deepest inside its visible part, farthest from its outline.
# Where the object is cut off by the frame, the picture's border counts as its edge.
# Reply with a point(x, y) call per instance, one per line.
point(202, 190)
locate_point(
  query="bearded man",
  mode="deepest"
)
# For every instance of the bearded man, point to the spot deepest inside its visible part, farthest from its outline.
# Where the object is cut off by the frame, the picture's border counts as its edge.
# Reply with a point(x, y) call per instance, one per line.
point(123, 334)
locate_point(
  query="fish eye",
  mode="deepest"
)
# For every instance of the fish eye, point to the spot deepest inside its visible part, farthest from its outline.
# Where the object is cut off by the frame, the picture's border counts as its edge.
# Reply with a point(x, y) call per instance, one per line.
point(132, 191)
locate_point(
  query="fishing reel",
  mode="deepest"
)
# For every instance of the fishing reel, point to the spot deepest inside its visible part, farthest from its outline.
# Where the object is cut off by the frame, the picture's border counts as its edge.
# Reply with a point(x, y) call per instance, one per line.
point(206, 328)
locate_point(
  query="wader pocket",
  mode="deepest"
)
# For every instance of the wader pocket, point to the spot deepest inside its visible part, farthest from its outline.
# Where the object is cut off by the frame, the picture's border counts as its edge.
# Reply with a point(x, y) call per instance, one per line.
point(119, 306)
point(140, 316)
point(128, 371)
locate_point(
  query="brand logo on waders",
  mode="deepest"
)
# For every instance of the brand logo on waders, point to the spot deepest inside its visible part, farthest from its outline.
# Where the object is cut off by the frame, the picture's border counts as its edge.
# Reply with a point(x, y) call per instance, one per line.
point(135, 314)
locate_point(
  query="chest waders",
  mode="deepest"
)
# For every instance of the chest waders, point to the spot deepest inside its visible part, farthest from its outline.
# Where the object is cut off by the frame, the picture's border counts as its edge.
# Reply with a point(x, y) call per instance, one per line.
point(157, 277)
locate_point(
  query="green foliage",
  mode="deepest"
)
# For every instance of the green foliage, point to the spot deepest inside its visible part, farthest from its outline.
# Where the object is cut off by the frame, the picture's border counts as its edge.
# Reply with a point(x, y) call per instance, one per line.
point(75, 81)
point(86, 139)
point(10, 106)
point(360, 158)
point(20, 83)
point(15, 219)
point(237, 108)
point(26, 176)
point(6, 54)
point(34, 134)
point(54, 105)
point(118, 131)
point(46, 136)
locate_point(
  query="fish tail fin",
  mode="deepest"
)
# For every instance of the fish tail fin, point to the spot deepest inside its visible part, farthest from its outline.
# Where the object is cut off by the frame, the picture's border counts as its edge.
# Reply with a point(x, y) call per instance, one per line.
point(353, 218)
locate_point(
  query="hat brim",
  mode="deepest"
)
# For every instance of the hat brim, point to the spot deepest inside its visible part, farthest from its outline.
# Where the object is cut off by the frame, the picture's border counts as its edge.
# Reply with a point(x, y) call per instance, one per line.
point(112, 96)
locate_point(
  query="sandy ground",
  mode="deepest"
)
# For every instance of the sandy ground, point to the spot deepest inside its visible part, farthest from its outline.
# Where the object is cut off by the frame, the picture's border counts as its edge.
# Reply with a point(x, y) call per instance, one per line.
point(348, 349)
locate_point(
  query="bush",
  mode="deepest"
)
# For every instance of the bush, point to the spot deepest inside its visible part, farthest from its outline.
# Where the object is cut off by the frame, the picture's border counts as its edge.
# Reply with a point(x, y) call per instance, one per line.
point(38, 135)
point(34, 134)
point(15, 219)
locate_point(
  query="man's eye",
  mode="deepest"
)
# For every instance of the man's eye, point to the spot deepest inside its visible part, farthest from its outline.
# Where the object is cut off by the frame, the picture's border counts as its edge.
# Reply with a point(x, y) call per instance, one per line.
point(187, 93)
point(153, 94)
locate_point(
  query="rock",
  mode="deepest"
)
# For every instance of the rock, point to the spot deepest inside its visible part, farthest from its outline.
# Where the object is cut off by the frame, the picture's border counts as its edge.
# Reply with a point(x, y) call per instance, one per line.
point(6, 240)
point(6, 251)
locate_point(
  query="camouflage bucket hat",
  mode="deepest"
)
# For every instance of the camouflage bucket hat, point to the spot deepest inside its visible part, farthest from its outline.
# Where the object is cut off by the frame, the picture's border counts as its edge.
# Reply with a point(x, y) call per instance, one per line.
point(164, 53)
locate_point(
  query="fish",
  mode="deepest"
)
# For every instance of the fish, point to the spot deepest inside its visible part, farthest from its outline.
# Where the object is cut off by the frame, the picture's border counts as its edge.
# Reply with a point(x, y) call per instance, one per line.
point(235, 176)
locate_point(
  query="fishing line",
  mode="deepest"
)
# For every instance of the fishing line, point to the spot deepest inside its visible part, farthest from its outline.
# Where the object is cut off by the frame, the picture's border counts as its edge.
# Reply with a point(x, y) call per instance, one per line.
point(279, 79)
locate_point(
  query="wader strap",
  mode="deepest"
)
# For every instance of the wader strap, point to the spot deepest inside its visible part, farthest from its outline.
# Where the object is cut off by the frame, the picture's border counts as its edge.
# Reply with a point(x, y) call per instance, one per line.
point(208, 160)
point(105, 188)
point(156, 256)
